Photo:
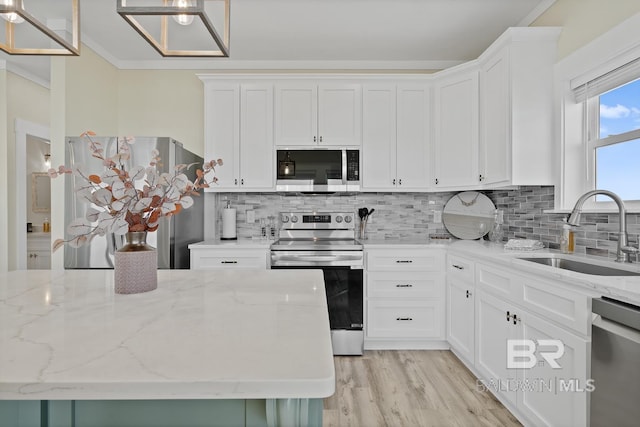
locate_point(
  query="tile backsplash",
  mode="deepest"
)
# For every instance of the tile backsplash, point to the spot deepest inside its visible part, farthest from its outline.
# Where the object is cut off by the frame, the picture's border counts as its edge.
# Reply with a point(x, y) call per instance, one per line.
point(411, 215)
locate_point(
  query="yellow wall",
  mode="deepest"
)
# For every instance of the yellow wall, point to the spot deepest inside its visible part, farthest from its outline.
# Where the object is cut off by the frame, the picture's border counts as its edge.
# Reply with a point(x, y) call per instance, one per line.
point(162, 103)
point(4, 176)
point(585, 20)
point(91, 97)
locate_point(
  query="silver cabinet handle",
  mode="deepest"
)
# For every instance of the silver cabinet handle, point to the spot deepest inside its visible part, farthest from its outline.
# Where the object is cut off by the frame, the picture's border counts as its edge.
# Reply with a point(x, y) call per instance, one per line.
point(228, 262)
point(469, 294)
point(404, 319)
point(480, 178)
point(321, 139)
point(436, 181)
point(404, 261)
point(400, 181)
point(235, 181)
point(394, 181)
point(315, 139)
point(408, 285)
point(242, 181)
point(459, 267)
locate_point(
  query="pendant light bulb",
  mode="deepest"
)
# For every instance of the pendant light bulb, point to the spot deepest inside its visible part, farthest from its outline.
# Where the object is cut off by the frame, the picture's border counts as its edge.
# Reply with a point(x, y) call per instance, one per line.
point(14, 18)
point(182, 19)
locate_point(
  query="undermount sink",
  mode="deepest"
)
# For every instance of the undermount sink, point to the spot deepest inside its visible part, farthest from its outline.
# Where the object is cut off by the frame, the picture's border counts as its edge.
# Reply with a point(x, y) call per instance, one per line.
point(581, 267)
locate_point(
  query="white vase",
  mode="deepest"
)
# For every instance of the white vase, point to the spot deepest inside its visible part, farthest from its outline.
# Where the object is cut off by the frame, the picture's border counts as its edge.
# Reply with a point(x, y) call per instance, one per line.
point(136, 265)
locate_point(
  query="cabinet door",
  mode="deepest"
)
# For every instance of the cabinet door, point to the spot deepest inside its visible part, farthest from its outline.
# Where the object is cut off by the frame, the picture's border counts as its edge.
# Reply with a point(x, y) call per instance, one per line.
point(493, 330)
point(256, 137)
point(460, 318)
point(413, 138)
point(340, 114)
point(495, 140)
point(379, 137)
point(296, 114)
point(222, 132)
point(555, 397)
point(456, 131)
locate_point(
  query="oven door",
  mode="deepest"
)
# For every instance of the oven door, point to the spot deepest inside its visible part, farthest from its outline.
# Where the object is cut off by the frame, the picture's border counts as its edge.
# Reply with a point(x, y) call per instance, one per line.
point(344, 290)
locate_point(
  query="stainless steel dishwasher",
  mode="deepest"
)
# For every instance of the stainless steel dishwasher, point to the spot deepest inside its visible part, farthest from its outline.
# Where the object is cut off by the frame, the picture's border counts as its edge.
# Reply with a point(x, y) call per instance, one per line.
point(615, 363)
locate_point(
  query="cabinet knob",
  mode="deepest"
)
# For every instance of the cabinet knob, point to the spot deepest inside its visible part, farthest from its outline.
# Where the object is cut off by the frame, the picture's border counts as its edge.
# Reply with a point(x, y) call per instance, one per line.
point(242, 181)
point(404, 261)
point(235, 181)
point(468, 294)
point(394, 181)
point(459, 267)
point(321, 139)
point(480, 177)
point(436, 181)
point(508, 316)
point(228, 262)
point(315, 139)
point(400, 181)
point(404, 319)
point(408, 285)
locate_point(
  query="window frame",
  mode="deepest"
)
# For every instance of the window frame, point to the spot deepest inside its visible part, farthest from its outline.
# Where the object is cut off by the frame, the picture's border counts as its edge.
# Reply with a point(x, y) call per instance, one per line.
point(592, 113)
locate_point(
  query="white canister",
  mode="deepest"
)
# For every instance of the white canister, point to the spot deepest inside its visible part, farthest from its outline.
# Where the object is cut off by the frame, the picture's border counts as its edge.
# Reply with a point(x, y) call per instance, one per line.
point(228, 223)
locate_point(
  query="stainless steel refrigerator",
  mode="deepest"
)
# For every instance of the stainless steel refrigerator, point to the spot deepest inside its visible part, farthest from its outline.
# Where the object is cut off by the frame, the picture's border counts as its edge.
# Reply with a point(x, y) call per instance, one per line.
point(173, 235)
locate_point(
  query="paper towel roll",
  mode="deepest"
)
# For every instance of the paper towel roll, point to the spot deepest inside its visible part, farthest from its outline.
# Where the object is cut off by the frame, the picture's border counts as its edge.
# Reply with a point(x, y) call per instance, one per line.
point(228, 224)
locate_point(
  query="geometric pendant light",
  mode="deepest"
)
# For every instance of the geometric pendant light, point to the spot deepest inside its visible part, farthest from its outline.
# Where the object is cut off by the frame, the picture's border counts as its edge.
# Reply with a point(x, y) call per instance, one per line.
point(179, 28)
point(24, 34)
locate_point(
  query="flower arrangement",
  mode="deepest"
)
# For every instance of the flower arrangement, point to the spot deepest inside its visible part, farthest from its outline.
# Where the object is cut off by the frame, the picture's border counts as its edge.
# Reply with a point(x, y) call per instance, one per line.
point(130, 200)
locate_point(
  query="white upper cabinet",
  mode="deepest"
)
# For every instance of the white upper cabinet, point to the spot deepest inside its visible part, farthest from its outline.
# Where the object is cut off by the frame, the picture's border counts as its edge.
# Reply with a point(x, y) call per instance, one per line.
point(222, 132)
point(256, 137)
point(516, 109)
point(379, 137)
point(239, 130)
point(455, 148)
point(395, 142)
point(308, 114)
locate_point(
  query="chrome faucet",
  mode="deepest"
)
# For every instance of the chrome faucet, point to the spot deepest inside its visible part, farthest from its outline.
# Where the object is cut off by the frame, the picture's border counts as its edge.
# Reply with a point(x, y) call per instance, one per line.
point(624, 249)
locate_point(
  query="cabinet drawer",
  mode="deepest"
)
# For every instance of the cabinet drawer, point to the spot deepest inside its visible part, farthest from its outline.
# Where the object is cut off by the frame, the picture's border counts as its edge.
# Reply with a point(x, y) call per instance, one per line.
point(389, 284)
point(499, 282)
point(460, 267)
point(405, 319)
point(214, 259)
point(405, 260)
point(563, 306)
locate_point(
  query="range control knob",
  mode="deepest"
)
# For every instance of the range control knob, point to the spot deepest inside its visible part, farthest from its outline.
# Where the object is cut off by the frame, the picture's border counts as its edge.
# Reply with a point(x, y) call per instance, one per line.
point(339, 219)
point(294, 219)
point(347, 219)
point(285, 218)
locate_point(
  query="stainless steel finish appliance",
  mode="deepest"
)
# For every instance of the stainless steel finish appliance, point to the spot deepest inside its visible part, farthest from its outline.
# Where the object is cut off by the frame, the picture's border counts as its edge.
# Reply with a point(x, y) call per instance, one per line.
point(318, 170)
point(326, 241)
point(615, 363)
point(172, 237)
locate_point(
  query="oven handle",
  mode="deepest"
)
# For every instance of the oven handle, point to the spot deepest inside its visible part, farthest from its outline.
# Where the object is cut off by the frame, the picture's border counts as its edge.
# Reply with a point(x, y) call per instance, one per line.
point(315, 258)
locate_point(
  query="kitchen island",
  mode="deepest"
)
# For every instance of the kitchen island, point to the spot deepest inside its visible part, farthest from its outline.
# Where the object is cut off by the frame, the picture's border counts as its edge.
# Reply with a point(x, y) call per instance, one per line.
point(223, 348)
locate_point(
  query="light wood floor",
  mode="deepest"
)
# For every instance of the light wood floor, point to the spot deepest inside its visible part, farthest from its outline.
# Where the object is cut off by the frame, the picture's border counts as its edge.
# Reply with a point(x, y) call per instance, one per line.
point(410, 388)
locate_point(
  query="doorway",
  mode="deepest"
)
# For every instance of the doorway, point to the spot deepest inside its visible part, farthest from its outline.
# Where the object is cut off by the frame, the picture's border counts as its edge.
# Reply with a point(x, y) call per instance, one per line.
point(25, 131)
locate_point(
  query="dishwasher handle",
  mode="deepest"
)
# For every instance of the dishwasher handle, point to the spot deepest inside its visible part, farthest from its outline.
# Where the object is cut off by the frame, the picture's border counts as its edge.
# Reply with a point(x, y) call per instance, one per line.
point(617, 311)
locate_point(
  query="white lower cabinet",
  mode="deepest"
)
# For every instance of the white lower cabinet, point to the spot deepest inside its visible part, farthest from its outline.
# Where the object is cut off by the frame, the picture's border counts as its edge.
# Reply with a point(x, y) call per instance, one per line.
point(38, 251)
point(404, 299)
point(539, 392)
point(229, 258)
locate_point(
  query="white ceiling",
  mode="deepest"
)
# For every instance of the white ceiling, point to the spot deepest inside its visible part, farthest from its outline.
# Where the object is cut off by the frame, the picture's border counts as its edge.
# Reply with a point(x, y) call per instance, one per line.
point(311, 34)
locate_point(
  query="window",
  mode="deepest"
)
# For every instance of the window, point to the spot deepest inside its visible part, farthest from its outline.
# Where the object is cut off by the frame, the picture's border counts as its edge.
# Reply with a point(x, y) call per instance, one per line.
point(614, 142)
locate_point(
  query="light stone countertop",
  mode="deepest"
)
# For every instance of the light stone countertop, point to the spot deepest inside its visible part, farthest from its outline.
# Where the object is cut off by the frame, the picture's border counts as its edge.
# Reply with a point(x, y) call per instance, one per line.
point(238, 244)
point(625, 288)
point(404, 243)
point(200, 335)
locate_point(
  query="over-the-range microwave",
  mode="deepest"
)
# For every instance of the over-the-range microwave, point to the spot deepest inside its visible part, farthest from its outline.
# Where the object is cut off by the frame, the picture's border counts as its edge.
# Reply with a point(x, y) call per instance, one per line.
point(318, 170)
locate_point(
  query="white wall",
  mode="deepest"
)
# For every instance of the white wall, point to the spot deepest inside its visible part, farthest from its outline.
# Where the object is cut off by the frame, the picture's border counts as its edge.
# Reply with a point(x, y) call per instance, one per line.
point(585, 20)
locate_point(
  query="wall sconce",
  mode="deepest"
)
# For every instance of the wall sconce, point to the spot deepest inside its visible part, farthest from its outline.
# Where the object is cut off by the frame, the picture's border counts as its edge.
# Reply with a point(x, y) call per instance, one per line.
point(286, 167)
point(198, 35)
point(47, 160)
point(22, 29)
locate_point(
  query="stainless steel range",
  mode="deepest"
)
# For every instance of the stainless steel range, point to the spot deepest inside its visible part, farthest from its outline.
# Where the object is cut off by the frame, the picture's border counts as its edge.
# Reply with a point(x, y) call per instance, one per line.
point(326, 241)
